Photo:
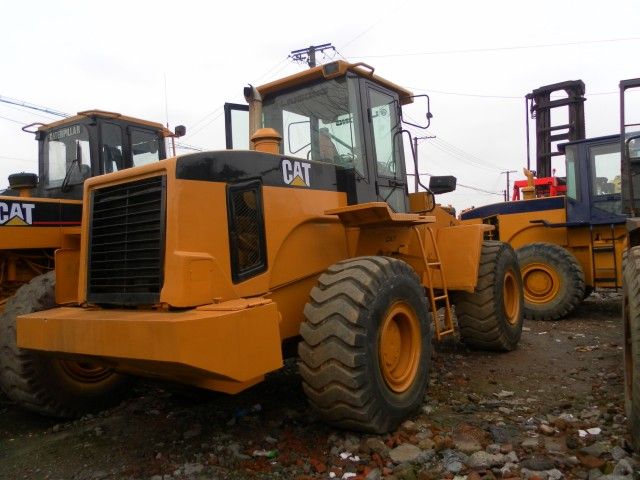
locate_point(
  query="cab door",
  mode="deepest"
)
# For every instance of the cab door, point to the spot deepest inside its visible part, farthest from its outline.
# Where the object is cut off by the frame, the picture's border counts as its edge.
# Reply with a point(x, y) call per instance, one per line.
point(236, 126)
point(385, 146)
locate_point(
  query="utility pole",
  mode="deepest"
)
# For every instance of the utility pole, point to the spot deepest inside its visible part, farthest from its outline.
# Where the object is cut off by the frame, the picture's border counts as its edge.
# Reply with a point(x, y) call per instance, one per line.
point(308, 54)
point(416, 179)
point(506, 192)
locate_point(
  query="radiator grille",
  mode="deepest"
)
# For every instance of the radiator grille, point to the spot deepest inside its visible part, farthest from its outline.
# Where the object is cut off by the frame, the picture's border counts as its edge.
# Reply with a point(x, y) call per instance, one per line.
point(246, 230)
point(127, 243)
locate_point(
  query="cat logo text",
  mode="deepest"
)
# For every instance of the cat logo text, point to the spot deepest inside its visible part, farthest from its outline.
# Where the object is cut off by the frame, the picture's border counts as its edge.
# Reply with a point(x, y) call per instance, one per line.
point(16, 213)
point(296, 173)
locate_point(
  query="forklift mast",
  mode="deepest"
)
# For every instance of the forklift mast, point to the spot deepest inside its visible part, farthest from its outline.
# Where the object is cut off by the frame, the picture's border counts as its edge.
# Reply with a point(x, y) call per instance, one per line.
point(540, 104)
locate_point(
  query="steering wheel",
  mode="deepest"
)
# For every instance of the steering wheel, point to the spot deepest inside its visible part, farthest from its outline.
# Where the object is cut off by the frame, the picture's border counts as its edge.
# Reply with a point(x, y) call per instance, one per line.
point(345, 160)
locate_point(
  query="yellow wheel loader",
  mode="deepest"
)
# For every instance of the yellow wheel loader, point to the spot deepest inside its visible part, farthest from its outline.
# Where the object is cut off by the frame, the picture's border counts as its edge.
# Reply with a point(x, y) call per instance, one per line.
point(38, 214)
point(630, 148)
point(569, 244)
point(204, 269)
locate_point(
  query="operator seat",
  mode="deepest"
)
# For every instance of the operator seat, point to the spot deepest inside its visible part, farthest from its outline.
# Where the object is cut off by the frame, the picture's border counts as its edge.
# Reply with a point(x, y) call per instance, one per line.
point(327, 148)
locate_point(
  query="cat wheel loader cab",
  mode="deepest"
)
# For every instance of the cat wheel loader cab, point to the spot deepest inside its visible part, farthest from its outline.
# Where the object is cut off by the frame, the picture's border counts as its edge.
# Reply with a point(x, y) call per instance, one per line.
point(39, 216)
point(570, 243)
point(629, 143)
point(201, 269)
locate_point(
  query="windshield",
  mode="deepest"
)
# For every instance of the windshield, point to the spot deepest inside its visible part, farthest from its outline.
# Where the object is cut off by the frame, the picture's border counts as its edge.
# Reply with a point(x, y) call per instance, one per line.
point(61, 148)
point(144, 147)
point(605, 181)
point(319, 122)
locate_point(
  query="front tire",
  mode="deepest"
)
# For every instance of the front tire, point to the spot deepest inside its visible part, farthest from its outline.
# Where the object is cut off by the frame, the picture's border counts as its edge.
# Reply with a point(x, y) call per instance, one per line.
point(366, 344)
point(49, 386)
point(553, 281)
point(491, 318)
point(631, 322)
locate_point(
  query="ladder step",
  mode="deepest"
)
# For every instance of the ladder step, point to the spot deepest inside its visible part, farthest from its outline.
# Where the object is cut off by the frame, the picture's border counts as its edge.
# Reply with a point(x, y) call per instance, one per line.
point(604, 248)
point(434, 264)
point(447, 332)
point(441, 297)
point(605, 279)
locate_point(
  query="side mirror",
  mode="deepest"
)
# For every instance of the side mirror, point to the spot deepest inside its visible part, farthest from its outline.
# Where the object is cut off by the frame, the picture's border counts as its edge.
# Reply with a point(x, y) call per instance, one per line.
point(442, 184)
point(633, 147)
point(180, 131)
point(428, 115)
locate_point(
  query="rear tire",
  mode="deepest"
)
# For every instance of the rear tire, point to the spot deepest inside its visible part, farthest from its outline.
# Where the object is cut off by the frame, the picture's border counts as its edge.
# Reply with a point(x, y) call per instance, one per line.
point(366, 344)
point(46, 385)
point(588, 290)
point(553, 281)
point(631, 322)
point(491, 318)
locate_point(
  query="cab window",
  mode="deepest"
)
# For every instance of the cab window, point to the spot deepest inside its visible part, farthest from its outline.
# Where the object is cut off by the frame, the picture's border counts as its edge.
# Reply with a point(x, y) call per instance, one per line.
point(144, 147)
point(572, 173)
point(605, 167)
point(383, 125)
point(62, 148)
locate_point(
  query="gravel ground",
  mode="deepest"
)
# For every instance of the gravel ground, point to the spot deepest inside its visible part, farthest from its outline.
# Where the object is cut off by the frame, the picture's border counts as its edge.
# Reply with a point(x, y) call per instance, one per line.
point(551, 409)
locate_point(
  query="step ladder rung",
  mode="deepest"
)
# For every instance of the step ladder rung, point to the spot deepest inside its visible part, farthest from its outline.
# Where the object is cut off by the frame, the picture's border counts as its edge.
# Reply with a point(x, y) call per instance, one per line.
point(440, 297)
point(605, 279)
point(604, 248)
point(434, 264)
point(447, 331)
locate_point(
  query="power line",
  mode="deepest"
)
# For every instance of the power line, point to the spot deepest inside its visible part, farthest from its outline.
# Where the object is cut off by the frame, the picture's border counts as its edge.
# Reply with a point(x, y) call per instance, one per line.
point(208, 123)
point(458, 184)
point(186, 146)
point(11, 120)
point(496, 49)
point(212, 112)
point(275, 69)
point(385, 18)
point(460, 94)
point(32, 106)
point(48, 116)
point(18, 159)
point(282, 63)
point(452, 150)
point(481, 190)
point(509, 97)
point(463, 156)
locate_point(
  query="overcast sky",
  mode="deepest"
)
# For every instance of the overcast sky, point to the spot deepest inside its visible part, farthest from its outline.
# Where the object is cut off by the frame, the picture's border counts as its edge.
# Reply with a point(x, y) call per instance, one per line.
point(78, 55)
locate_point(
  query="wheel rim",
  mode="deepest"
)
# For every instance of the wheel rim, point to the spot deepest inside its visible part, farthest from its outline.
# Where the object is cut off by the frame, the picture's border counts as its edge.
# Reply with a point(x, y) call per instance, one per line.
point(541, 283)
point(400, 347)
point(511, 297)
point(85, 372)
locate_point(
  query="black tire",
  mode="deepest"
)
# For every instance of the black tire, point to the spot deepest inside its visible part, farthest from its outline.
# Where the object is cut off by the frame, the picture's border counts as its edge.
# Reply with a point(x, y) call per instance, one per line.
point(553, 281)
point(588, 290)
point(345, 337)
point(631, 322)
point(45, 385)
point(491, 318)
